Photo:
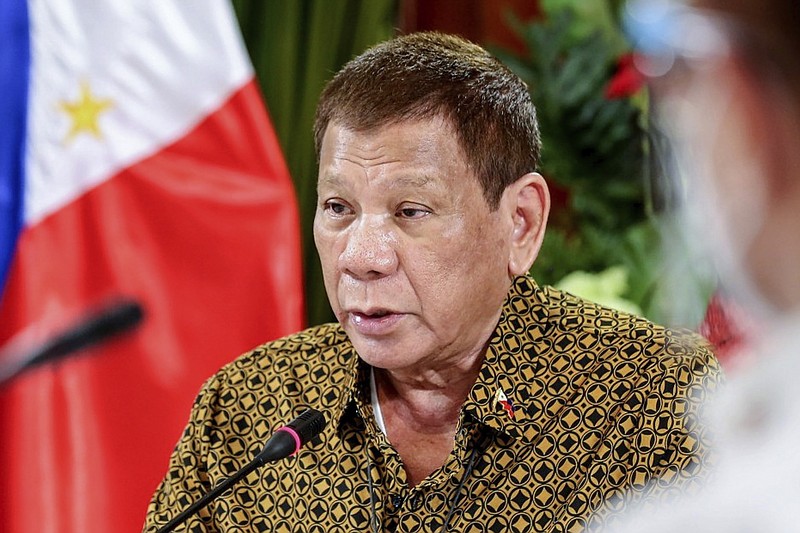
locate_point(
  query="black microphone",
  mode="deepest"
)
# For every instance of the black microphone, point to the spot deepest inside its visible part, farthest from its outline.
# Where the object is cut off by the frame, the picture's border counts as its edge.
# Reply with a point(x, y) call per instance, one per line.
point(284, 442)
point(98, 326)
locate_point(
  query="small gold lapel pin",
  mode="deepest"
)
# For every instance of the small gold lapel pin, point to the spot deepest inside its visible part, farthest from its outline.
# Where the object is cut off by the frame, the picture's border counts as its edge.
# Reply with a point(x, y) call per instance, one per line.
point(501, 398)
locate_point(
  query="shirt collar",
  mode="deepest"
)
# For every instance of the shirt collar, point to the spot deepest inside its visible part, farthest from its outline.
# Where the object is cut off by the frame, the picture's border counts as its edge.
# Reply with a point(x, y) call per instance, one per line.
point(507, 381)
point(526, 317)
point(344, 384)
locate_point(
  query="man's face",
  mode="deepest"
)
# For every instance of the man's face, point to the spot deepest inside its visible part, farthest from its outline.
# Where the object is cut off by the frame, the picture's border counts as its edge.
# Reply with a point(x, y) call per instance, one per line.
point(415, 263)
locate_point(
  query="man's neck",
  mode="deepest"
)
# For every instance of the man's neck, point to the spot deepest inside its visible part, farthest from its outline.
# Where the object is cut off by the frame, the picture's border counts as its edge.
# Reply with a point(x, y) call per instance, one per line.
point(421, 414)
point(429, 400)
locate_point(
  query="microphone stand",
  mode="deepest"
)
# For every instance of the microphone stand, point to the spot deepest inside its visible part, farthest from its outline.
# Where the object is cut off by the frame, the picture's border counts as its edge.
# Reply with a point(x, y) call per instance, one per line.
point(286, 441)
point(211, 495)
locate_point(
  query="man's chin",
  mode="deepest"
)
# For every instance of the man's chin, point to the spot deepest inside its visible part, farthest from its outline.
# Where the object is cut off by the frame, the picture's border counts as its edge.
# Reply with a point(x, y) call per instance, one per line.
point(385, 353)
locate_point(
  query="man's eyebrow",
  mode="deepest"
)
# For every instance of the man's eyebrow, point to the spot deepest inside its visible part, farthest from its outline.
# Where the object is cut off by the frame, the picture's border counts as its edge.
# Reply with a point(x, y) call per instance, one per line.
point(419, 180)
point(330, 178)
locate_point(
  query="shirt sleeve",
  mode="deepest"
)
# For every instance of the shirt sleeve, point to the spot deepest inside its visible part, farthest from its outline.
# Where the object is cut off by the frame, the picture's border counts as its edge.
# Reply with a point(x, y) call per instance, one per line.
point(187, 477)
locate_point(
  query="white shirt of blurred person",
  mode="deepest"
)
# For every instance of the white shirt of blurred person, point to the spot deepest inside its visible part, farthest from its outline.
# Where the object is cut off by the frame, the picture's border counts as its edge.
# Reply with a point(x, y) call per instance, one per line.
point(725, 79)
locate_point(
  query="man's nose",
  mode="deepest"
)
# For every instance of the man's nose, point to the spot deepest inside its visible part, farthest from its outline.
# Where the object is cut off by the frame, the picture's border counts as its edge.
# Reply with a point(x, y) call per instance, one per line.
point(370, 252)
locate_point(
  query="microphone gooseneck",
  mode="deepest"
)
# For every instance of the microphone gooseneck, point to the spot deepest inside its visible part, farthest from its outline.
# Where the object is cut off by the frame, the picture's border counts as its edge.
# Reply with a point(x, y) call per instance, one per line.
point(115, 318)
point(286, 441)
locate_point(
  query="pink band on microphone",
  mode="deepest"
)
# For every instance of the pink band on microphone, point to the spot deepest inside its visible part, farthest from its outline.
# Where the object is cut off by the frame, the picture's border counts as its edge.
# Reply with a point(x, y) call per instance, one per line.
point(297, 442)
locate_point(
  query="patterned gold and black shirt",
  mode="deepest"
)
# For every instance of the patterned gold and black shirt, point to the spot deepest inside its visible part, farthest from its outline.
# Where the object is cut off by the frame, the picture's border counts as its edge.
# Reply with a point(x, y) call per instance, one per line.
point(576, 409)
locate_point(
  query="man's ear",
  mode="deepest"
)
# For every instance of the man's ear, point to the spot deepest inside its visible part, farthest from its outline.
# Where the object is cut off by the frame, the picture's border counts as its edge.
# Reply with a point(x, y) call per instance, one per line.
point(528, 203)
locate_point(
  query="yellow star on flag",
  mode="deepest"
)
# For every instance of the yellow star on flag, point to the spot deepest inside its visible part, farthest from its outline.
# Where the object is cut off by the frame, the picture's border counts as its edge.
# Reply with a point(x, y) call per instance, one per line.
point(85, 112)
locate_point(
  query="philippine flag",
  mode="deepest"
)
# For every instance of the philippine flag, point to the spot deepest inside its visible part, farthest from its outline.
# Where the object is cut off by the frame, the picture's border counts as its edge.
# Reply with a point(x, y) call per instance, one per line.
point(137, 160)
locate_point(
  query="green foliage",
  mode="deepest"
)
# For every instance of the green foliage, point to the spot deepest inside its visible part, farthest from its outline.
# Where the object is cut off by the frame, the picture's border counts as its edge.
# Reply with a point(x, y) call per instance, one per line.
point(605, 287)
point(593, 148)
point(295, 47)
point(591, 16)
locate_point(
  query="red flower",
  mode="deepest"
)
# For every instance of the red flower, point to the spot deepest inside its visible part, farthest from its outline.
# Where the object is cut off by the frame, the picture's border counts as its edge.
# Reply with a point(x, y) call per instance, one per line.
point(729, 328)
point(627, 79)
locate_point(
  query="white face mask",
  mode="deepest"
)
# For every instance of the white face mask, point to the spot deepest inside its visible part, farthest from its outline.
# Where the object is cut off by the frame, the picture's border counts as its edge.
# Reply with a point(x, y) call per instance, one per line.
point(725, 204)
point(687, 52)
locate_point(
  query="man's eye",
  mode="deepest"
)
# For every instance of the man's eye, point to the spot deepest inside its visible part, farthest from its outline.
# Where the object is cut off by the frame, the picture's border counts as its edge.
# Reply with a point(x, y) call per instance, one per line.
point(412, 212)
point(336, 208)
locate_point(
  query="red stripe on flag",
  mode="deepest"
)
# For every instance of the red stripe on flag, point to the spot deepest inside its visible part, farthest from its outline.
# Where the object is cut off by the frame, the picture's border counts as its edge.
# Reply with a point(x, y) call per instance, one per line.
point(205, 234)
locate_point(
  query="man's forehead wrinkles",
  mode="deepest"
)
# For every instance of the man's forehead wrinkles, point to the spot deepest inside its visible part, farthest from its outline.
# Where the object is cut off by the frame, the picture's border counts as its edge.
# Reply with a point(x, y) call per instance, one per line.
point(361, 147)
point(368, 160)
point(393, 182)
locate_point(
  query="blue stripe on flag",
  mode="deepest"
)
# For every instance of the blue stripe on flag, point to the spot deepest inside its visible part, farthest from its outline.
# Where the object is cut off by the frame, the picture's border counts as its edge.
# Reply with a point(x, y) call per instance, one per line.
point(14, 75)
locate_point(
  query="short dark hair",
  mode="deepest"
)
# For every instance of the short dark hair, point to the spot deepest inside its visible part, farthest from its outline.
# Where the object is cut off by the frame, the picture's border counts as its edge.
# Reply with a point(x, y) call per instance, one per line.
point(428, 74)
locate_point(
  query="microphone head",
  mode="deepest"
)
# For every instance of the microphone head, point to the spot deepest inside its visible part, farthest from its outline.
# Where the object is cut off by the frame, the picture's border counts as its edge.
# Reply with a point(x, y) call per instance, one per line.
point(308, 425)
point(98, 326)
point(288, 440)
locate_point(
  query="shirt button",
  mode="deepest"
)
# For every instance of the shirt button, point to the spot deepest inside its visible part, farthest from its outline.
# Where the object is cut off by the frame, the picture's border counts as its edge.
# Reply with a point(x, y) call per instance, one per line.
point(415, 503)
point(397, 501)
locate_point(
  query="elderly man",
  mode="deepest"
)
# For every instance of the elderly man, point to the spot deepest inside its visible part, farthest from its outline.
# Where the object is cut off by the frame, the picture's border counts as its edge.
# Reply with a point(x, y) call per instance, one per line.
point(460, 395)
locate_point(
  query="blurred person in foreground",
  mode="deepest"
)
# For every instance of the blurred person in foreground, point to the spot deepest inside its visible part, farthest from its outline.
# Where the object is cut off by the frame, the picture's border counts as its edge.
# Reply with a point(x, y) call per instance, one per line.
point(460, 396)
point(726, 82)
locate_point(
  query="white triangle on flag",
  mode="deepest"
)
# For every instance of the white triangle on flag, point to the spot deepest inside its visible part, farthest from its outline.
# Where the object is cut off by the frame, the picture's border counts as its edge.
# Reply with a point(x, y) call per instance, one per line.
point(117, 59)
